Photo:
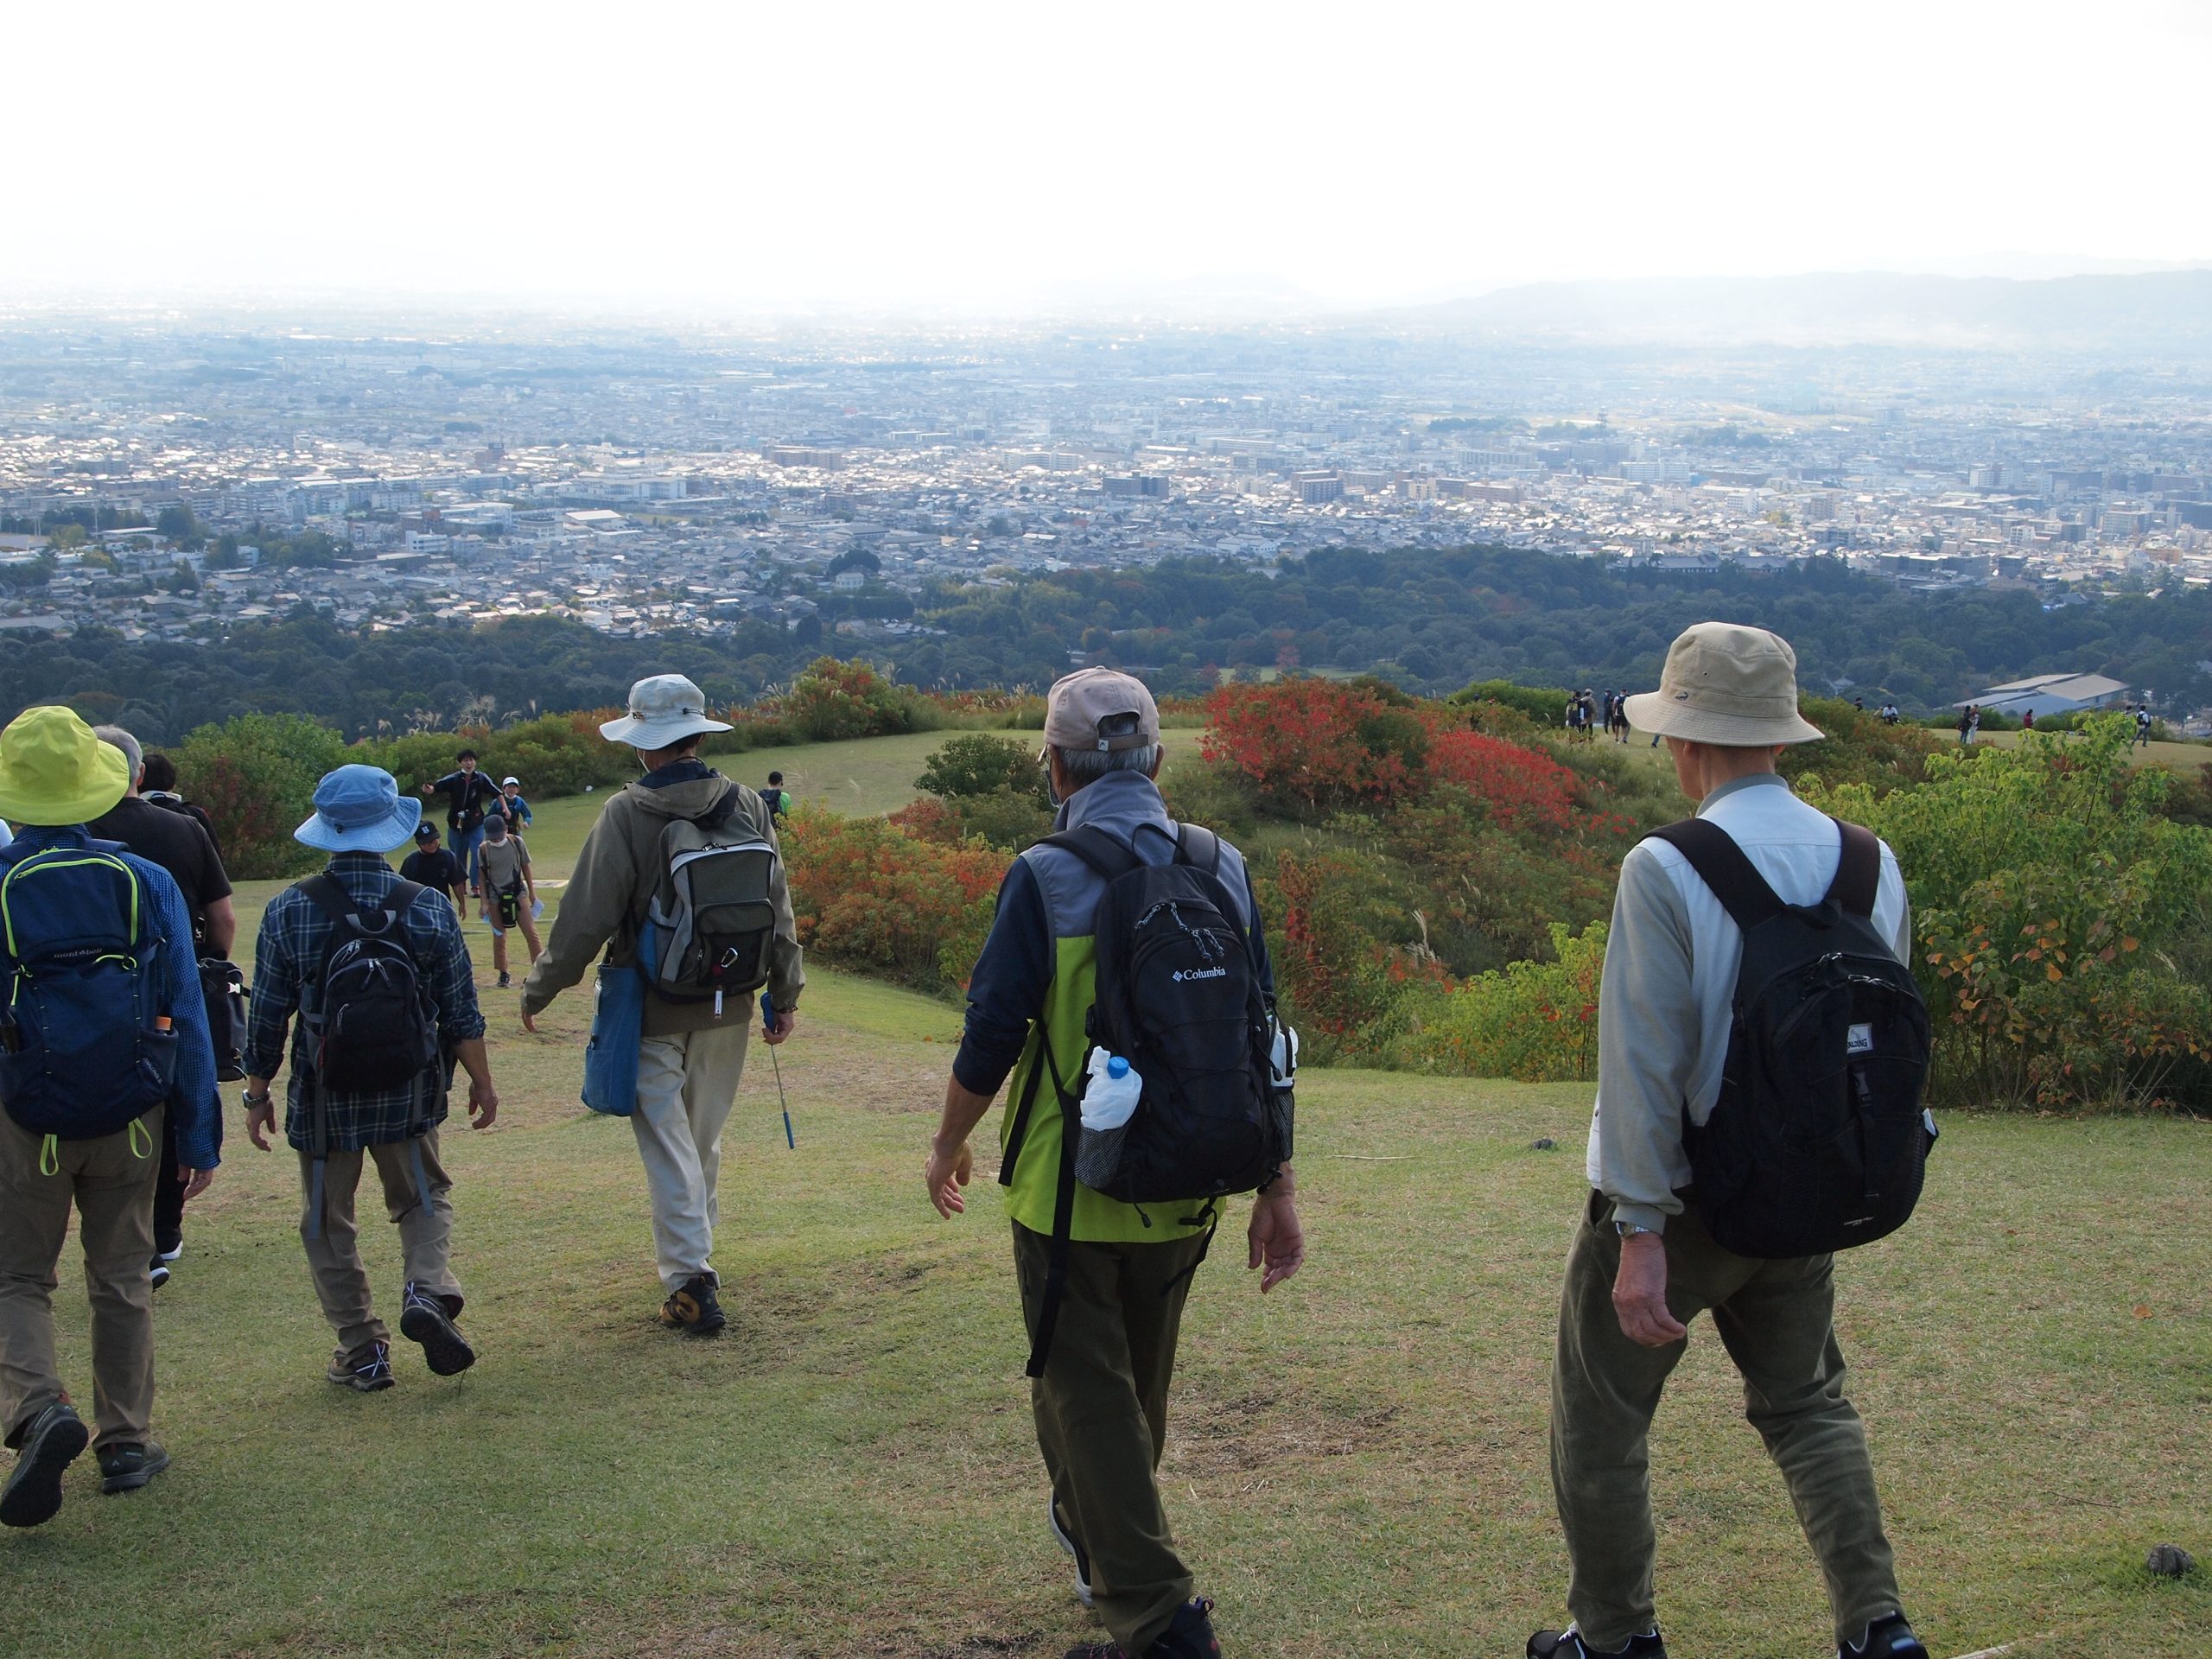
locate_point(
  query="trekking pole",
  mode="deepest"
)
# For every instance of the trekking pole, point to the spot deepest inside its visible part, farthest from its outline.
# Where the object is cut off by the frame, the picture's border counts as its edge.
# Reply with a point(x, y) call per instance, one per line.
point(767, 1024)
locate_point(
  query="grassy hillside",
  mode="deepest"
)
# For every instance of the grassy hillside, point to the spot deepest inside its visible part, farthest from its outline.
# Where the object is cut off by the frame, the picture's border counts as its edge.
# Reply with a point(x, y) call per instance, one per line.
point(1358, 1462)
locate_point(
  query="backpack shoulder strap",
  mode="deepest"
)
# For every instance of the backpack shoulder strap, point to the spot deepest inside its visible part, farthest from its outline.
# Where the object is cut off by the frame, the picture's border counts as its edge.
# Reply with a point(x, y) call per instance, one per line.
point(331, 898)
point(1197, 845)
point(1724, 867)
point(1858, 869)
point(1100, 851)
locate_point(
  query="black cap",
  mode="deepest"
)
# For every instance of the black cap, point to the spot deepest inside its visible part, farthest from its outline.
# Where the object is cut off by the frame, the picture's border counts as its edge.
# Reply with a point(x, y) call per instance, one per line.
point(426, 832)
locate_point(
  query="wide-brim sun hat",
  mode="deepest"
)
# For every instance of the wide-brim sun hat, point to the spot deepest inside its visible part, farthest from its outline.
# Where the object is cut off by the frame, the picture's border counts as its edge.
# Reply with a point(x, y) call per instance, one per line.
point(360, 810)
point(54, 771)
point(1727, 684)
point(662, 709)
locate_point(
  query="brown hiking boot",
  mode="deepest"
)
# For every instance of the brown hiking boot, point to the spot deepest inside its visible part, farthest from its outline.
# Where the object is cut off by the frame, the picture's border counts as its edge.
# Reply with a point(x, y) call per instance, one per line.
point(694, 1308)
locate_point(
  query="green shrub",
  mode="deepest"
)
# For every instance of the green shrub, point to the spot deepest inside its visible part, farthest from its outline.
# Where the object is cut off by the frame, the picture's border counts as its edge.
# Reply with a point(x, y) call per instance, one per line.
point(554, 755)
point(973, 764)
point(1536, 1021)
point(255, 777)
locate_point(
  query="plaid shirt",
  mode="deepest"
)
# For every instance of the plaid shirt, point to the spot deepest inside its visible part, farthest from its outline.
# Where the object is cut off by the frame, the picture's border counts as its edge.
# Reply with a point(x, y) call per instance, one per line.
point(295, 933)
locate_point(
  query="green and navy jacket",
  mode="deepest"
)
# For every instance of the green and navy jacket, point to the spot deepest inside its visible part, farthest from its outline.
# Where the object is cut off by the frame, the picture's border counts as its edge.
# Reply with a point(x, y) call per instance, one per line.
point(1033, 984)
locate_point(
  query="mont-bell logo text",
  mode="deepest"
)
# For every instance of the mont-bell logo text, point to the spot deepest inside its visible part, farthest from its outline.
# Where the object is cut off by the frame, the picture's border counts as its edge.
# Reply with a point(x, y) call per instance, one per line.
point(1182, 974)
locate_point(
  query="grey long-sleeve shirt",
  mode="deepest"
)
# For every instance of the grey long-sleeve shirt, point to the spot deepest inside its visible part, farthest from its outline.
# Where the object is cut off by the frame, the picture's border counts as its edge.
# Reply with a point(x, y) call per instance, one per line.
point(1666, 1002)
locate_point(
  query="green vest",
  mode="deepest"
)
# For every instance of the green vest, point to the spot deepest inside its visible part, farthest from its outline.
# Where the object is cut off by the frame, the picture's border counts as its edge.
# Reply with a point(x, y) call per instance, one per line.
point(1032, 1194)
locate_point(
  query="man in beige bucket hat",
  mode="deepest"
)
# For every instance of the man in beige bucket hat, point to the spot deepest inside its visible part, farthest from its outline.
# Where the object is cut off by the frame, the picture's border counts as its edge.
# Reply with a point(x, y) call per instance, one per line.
point(1643, 1265)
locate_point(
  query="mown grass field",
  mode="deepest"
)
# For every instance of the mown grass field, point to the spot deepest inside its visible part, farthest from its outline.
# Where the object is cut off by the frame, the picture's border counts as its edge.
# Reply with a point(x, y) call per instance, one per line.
point(1358, 1464)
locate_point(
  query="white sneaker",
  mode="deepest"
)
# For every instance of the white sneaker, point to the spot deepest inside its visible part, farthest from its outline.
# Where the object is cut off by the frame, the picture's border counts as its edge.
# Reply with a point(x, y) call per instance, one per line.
point(1075, 1552)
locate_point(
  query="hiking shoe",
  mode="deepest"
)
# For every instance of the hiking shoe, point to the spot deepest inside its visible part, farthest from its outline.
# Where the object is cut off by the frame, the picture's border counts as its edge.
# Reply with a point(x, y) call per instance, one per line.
point(694, 1309)
point(126, 1468)
point(52, 1441)
point(503, 982)
point(1886, 1638)
point(1076, 1551)
point(1191, 1637)
point(1568, 1644)
point(157, 1273)
point(366, 1369)
point(169, 1252)
point(425, 1318)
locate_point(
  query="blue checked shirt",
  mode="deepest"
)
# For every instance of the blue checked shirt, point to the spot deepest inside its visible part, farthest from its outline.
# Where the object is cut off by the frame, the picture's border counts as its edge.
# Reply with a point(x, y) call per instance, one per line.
point(294, 935)
point(193, 1100)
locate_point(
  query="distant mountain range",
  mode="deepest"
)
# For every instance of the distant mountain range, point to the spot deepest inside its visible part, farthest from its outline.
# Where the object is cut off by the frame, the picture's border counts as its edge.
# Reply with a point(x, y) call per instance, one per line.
point(2152, 312)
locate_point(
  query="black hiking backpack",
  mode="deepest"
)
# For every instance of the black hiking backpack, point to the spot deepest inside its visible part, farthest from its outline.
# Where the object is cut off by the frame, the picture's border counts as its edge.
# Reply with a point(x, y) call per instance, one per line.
point(373, 1024)
point(1177, 997)
point(1819, 1141)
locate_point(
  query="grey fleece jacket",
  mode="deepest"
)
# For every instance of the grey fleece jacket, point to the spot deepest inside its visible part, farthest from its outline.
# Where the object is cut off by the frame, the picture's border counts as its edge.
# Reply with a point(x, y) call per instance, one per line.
point(611, 888)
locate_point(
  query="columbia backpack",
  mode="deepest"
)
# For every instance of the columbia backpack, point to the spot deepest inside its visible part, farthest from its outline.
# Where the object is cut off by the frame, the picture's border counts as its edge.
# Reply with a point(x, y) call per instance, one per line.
point(1177, 996)
point(86, 1043)
point(371, 1024)
point(712, 924)
point(1819, 1141)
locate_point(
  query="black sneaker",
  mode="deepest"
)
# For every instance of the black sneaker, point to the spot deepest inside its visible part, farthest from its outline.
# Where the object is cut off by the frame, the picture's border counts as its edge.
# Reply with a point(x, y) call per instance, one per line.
point(157, 1273)
point(1075, 1551)
point(366, 1369)
point(1191, 1637)
point(51, 1442)
point(1886, 1638)
point(426, 1319)
point(1568, 1644)
point(503, 983)
point(126, 1468)
point(167, 1250)
point(694, 1309)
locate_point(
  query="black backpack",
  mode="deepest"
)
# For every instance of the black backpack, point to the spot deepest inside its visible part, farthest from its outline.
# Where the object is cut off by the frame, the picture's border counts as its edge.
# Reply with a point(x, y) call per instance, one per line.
point(372, 1023)
point(1176, 996)
point(1819, 1141)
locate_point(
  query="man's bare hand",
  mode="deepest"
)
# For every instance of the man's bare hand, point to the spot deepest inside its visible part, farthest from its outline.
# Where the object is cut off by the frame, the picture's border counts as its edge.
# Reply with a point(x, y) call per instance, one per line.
point(483, 1103)
point(779, 1032)
point(1275, 1240)
point(945, 1174)
point(1640, 1292)
point(528, 1024)
point(260, 1119)
point(196, 1181)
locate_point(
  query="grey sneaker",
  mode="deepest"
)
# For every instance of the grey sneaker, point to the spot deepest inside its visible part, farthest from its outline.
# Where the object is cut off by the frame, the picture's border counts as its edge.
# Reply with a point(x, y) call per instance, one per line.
point(51, 1442)
point(127, 1468)
point(366, 1369)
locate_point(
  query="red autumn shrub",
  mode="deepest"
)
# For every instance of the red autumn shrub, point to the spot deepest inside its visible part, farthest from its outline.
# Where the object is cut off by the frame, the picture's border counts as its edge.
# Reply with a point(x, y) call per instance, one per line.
point(869, 895)
point(1310, 745)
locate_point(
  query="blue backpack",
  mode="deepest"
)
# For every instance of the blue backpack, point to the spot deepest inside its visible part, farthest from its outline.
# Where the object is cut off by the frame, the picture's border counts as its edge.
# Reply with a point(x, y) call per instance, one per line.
point(86, 1046)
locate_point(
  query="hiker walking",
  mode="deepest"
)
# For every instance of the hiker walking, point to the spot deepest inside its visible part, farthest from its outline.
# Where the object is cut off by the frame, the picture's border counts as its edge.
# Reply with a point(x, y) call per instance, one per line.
point(176, 842)
point(511, 803)
point(435, 867)
point(1110, 1220)
point(2143, 726)
point(507, 890)
point(776, 795)
point(105, 1036)
point(1835, 1027)
point(680, 881)
point(469, 794)
point(375, 968)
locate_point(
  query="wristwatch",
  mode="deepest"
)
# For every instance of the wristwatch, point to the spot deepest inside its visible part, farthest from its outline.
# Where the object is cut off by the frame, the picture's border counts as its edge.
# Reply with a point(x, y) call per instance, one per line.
point(1629, 1230)
point(252, 1101)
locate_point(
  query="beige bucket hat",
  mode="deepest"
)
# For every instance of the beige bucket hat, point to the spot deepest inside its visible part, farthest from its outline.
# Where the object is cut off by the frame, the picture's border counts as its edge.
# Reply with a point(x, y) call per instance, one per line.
point(1728, 685)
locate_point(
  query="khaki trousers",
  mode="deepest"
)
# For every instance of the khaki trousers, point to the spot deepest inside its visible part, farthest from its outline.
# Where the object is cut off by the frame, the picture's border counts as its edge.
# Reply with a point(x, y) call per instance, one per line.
point(111, 1182)
point(1776, 1320)
point(686, 1086)
point(341, 1283)
point(1101, 1416)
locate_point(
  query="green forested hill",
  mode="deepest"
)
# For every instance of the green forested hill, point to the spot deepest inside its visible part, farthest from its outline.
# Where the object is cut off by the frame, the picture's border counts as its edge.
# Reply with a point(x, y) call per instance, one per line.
point(1427, 620)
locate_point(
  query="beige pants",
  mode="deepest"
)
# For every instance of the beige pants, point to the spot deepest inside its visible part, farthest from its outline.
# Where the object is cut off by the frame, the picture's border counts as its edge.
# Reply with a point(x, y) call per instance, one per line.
point(341, 1283)
point(686, 1086)
point(111, 1181)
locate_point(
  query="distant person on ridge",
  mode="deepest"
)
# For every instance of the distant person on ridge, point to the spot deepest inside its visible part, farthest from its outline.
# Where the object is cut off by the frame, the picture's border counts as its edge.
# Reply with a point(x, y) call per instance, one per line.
point(511, 803)
point(128, 1044)
point(778, 801)
point(176, 842)
point(371, 1089)
point(726, 911)
point(469, 794)
point(2143, 726)
point(1102, 1277)
point(1645, 1261)
point(435, 867)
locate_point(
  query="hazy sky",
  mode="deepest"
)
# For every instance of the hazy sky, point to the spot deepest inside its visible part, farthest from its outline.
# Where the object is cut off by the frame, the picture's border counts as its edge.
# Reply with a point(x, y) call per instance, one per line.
point(980, 156)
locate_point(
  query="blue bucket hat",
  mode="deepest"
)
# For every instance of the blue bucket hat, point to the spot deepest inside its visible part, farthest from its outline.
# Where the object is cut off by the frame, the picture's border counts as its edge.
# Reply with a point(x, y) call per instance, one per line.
point(360, 810)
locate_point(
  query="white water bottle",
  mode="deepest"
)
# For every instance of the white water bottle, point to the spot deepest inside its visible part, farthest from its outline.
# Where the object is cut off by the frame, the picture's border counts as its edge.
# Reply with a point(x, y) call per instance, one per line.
point(1111, 1092)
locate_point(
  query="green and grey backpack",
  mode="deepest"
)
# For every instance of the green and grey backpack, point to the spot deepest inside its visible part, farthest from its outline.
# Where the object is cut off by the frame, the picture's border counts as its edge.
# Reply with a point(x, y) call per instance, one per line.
point(712, 924)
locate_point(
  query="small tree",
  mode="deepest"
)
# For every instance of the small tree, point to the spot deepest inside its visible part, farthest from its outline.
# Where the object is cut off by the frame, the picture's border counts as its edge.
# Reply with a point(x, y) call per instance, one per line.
point(255, 776)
